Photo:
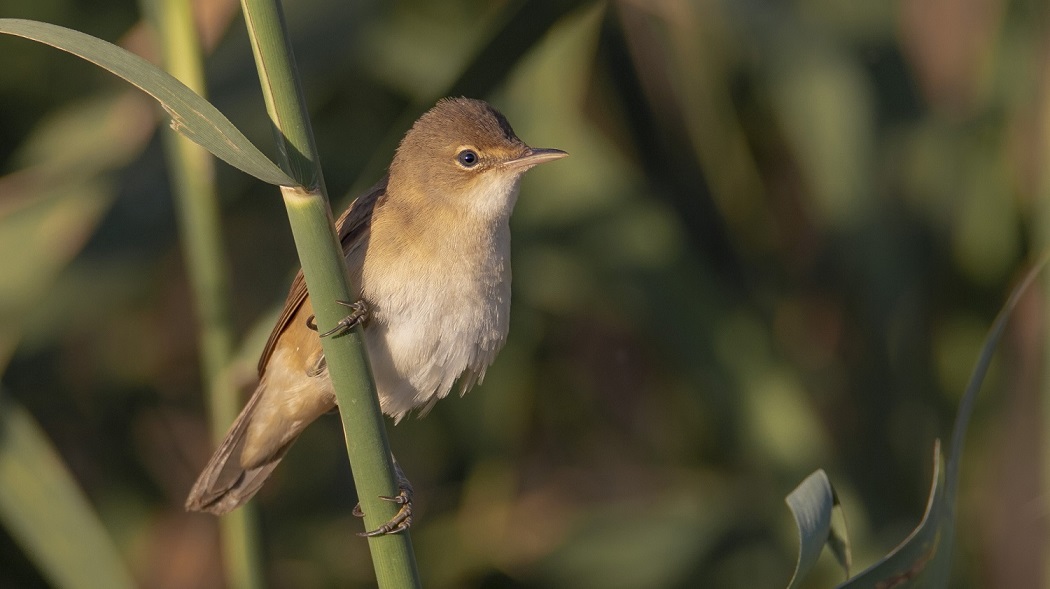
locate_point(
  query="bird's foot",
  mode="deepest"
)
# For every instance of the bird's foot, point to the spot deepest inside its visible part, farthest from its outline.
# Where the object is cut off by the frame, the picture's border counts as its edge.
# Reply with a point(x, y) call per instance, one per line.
point(402, 520)
point(358, 315)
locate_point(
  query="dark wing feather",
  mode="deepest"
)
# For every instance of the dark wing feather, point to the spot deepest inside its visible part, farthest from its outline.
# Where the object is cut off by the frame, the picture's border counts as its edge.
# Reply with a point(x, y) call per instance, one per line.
point(352, 226)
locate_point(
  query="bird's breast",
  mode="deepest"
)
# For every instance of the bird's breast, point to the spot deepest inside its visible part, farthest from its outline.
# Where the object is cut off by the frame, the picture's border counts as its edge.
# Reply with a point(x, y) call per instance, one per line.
point(437, 314)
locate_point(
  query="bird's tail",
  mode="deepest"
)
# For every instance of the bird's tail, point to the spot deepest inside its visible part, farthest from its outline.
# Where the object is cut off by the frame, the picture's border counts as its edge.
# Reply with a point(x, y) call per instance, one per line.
point(226, 483)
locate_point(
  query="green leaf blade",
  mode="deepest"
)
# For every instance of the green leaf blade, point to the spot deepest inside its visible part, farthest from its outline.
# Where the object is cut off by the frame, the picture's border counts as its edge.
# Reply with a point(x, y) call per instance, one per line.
point(923, 559)
point(813, 504)
point(46, 512)
point(191, 115)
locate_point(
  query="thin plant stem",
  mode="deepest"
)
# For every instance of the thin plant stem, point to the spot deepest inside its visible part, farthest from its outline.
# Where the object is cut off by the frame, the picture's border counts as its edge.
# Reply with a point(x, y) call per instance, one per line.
point(327, 279)
point(193, 181)
point(1042, 239)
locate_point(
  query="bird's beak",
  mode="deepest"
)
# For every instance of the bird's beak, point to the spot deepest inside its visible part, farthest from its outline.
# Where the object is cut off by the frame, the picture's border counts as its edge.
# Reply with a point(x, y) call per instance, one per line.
point(534, 157)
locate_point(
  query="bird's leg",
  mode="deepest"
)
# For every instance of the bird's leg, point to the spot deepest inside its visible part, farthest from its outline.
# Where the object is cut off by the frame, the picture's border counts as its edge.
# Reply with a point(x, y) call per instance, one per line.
point(402, 520)
point(358, 315)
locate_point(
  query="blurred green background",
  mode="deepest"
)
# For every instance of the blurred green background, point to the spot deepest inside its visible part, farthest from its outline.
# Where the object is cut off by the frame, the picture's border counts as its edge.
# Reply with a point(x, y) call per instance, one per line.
point(782, 234)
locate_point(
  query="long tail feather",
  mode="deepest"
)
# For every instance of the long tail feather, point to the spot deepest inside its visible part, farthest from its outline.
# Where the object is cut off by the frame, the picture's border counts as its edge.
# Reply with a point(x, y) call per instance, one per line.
point(225, 484)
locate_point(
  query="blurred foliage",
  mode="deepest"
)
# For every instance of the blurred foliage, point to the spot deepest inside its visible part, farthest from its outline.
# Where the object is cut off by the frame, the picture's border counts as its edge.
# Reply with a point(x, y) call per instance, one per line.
point(781, 236)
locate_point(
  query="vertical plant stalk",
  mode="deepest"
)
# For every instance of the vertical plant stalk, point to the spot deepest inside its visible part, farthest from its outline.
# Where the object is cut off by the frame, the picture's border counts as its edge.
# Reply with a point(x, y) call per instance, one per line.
point(1042, 237)
point(327, 280)
point(193, 182)
point(1041, 233)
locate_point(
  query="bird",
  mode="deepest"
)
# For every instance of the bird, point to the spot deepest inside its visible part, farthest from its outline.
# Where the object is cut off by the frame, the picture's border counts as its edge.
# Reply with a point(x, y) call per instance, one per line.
point(428, 254)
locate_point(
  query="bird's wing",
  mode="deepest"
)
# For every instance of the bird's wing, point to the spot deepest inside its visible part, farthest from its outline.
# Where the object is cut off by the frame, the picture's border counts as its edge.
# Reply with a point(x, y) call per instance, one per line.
point(353, 226)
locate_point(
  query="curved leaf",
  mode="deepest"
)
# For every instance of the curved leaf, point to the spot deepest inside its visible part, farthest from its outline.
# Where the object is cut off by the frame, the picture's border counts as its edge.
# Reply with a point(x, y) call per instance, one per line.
point(923, 559)
point(813, 504)
point(191, 115)
point(984, 360)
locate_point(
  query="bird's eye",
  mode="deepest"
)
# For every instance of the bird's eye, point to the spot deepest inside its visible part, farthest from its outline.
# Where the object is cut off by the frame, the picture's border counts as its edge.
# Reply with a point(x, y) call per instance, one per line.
point(467, 158)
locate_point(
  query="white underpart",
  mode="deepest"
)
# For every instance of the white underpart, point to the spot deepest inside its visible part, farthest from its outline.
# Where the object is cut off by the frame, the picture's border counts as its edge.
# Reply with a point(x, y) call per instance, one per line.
point(445, 318)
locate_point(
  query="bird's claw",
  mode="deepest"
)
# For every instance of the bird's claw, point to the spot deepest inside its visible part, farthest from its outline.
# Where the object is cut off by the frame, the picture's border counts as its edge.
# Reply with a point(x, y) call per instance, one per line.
point(401, 521)
point(358, 315)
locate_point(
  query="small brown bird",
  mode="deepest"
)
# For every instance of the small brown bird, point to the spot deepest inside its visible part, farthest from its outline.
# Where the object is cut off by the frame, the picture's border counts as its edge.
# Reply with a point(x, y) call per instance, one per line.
point(428, 249)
